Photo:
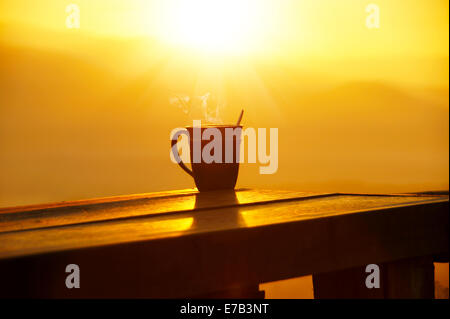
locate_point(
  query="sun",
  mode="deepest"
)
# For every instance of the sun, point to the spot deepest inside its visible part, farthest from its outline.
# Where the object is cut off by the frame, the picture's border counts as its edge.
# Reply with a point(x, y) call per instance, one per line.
point(214, 25)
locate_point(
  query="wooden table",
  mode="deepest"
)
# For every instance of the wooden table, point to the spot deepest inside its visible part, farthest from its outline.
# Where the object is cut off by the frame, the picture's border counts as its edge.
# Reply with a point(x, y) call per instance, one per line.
point(224, 244)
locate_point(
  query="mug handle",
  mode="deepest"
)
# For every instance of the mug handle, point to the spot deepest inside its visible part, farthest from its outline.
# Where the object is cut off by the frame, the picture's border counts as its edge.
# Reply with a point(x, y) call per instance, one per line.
point(174, 149)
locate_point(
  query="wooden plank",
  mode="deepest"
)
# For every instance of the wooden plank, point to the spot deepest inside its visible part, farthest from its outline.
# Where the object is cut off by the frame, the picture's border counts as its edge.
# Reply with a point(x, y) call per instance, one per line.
point(171, 256)
point(13, 244)
point(79, 212)
point(111, 199)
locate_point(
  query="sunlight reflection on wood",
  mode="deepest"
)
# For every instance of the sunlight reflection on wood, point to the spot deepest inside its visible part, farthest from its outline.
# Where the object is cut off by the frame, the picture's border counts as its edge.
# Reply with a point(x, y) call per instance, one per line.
point(102, 234)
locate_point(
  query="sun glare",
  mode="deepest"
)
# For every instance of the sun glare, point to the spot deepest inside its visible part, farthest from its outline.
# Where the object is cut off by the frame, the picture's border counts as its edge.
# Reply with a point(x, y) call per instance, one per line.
point(214, 25)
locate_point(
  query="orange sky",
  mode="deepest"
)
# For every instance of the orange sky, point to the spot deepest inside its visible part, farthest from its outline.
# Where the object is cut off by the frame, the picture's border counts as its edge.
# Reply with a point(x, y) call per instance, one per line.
point(279, 54)
point(325, 28)
point(410, 47)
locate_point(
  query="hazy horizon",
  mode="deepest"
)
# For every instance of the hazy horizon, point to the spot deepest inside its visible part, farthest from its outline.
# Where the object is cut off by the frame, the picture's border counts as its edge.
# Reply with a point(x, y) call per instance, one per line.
point(86, 112)
point(99, 126)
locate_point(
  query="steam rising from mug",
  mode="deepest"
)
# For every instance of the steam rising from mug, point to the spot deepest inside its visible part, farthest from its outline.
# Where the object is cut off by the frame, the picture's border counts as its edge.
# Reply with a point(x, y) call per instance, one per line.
point(204, 106)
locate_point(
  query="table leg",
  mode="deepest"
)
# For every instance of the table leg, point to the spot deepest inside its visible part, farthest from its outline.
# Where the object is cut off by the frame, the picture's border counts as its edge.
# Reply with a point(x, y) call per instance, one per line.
point(407, 278)
point(244, 292)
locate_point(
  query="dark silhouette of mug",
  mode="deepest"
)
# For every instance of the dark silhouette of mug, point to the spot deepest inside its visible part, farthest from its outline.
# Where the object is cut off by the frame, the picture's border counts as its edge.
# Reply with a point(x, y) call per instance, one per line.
point(215, 170)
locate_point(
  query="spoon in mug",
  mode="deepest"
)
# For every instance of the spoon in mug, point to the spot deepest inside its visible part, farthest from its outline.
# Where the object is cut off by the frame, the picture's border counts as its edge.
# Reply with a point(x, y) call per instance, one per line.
point(240, 118)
